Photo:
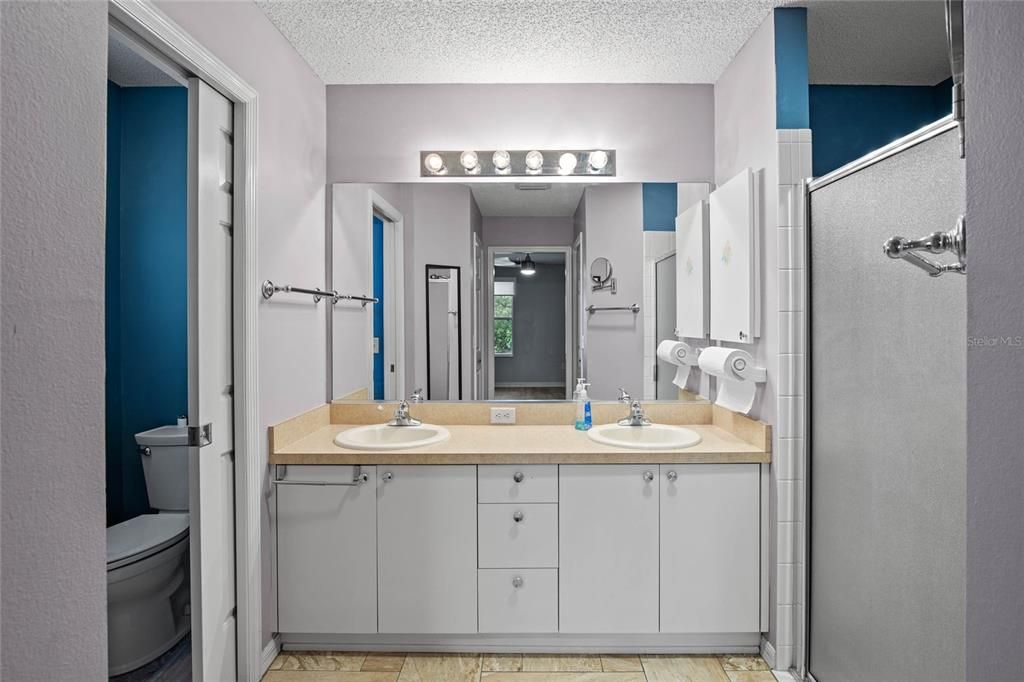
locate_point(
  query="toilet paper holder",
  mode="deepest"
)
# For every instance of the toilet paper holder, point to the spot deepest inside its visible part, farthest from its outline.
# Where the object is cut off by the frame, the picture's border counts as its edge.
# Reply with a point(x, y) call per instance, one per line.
point(744, 367)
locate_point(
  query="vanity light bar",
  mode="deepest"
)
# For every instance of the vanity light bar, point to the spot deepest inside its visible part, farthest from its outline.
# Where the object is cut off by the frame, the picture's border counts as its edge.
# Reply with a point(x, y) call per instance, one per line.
point(518, 163)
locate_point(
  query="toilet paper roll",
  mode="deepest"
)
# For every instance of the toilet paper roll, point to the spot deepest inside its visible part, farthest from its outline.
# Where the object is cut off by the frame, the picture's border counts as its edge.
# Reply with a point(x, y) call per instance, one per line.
point(734, 393)
point(682, 376)
point(677, 353)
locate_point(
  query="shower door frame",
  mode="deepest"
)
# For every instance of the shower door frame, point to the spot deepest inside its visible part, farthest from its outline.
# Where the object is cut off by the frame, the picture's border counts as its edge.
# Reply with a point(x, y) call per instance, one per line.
point(928, 132)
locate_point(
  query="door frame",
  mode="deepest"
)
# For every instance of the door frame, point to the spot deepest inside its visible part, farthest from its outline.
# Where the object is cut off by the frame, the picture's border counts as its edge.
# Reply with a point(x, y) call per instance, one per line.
point(169, 39)
point(488, 310)
point(654, 286)
point(394, 222)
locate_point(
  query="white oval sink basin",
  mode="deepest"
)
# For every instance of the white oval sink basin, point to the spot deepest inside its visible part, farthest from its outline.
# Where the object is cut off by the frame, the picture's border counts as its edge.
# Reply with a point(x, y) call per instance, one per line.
point(385, 437)
point(650, 437)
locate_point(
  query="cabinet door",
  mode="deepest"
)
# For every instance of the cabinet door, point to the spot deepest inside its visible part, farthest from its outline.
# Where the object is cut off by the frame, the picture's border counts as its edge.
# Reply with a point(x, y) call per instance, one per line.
point(427, 549)
point(608, 548)
point(326, 552)
point(710, 548)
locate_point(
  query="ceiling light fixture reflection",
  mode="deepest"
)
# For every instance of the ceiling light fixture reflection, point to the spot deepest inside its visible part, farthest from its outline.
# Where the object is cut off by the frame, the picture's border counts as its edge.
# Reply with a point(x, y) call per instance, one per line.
point(598, 160)
point(470, 162)
point(502, 161)
point(566, 163)
point(434, 163)
point(527, 267)
point(534, 162)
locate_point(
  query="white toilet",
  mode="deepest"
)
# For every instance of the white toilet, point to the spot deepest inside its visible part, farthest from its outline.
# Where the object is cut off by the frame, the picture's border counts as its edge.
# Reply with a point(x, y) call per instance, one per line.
point(148, 609)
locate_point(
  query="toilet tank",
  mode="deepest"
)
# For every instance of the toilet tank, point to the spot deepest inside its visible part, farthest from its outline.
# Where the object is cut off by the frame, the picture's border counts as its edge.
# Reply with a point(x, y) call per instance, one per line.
point(164, 452)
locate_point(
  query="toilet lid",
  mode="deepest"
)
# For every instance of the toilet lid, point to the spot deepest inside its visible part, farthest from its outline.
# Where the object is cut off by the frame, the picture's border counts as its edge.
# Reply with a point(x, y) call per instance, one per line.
point(144, 535)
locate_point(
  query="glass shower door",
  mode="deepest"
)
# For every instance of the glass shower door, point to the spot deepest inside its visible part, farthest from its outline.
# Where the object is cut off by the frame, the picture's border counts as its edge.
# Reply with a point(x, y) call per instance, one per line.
point(887, 423)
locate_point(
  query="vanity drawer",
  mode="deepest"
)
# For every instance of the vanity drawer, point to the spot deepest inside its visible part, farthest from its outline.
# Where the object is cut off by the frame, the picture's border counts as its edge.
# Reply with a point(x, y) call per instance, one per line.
point(518, 600)
point(517, 483)
point(518, 535)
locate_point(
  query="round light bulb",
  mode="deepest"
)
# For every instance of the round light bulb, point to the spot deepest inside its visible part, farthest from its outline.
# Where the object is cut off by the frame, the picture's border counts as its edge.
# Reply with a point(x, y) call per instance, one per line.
point(598, 160)
point(501, 160)
point(567, 163)
point(469, 161)
point(534, 161)
point(433, 163)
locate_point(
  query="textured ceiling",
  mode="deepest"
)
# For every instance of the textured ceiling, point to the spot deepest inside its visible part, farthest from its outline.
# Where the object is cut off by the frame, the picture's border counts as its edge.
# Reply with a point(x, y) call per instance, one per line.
point(506, 200)
point(517, 41)
point(874, 42)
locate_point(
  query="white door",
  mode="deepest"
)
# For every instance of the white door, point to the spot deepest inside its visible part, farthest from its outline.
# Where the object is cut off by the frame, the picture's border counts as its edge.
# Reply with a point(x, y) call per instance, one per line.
point(211, 466)
point(608, 548)
point(326, 550)
point(426, 547)
point(710, 548)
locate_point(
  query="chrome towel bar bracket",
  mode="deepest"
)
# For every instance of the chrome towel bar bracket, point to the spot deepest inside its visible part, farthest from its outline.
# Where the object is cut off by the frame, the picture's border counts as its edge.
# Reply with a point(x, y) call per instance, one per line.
point(954, 241)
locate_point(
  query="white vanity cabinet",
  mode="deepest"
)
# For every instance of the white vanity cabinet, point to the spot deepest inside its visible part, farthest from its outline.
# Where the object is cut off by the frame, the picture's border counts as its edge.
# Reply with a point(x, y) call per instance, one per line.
point(608, 548)
point(426, 544)
point(710, 548)
point(326, 550)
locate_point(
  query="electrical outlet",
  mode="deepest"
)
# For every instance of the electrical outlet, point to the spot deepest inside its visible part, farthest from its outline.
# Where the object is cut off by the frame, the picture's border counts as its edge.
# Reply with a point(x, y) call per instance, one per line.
point(503, 415)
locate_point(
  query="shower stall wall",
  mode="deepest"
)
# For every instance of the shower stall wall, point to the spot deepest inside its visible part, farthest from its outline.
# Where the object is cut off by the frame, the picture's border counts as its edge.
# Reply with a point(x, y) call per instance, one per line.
point(887, 453)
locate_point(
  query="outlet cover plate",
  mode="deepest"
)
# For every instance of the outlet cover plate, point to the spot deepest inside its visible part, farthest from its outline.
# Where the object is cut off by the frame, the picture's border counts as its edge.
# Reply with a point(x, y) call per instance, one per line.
point(503, 415)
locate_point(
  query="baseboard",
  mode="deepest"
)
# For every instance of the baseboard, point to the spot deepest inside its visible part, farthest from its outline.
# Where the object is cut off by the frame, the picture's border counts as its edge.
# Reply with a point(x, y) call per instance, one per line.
point(270, 652)
point(768, 652)
point(551, 643)
point(529, 384)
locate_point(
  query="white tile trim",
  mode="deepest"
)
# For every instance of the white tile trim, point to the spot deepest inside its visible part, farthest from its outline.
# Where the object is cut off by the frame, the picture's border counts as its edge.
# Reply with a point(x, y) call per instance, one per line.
point(789, 467)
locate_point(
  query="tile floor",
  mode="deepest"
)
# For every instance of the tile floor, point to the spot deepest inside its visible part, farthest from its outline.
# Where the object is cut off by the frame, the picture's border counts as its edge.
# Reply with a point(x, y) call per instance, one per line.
point(312, 666)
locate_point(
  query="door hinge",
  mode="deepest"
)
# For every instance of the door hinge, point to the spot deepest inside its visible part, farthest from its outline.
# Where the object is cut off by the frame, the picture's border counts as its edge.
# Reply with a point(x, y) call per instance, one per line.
point(229, 389)
point(200, 436)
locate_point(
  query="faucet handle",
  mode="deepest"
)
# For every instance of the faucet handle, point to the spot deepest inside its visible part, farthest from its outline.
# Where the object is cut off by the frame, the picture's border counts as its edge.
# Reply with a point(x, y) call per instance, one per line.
point(417, 396)
point(624, 396)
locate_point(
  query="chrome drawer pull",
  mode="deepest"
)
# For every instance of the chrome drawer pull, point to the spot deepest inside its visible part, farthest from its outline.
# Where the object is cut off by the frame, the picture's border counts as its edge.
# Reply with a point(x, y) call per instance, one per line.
point(518, 477)
point(517, 582)
point(518, 516)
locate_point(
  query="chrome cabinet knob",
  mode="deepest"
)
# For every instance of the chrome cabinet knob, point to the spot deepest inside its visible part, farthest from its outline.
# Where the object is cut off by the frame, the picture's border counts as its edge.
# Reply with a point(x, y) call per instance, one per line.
point(518, 477)
point(517, 582)
point(518, 517)
point(672, 476)
point(648, 476)
point(388, 476)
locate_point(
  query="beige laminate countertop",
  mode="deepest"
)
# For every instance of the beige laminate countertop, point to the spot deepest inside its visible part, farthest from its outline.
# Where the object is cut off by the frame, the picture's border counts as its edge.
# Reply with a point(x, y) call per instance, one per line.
point(520, 444)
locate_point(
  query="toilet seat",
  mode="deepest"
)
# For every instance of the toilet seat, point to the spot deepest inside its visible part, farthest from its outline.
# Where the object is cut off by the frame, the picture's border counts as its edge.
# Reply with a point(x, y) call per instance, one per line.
point(136, 539)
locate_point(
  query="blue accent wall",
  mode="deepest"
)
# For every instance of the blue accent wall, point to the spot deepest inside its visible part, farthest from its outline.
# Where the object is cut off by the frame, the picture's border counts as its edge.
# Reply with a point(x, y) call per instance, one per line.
point(378, 308)
point(848, 121)
point(792, 110)
point(147, 280)
point(660, 201)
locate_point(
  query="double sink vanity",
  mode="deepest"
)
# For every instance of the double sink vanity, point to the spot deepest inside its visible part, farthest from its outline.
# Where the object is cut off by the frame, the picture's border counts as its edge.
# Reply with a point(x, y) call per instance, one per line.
point(535, 536)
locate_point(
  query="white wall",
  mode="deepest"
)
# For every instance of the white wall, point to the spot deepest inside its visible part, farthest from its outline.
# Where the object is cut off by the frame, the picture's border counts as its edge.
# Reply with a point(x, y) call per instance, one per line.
point(614, 230)
point(660, 132)
point(745, 136)
point(527, 231)
point(291, 209)
point(52, 155)
point(995, 309)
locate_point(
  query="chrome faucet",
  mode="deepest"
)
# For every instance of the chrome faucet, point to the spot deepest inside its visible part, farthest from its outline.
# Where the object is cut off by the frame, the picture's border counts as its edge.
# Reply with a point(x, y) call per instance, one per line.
point(402, 417)
point(636, 411)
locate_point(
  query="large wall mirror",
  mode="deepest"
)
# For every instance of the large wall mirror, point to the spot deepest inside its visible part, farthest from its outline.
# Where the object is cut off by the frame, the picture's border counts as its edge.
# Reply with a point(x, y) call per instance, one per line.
point(503, 290)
